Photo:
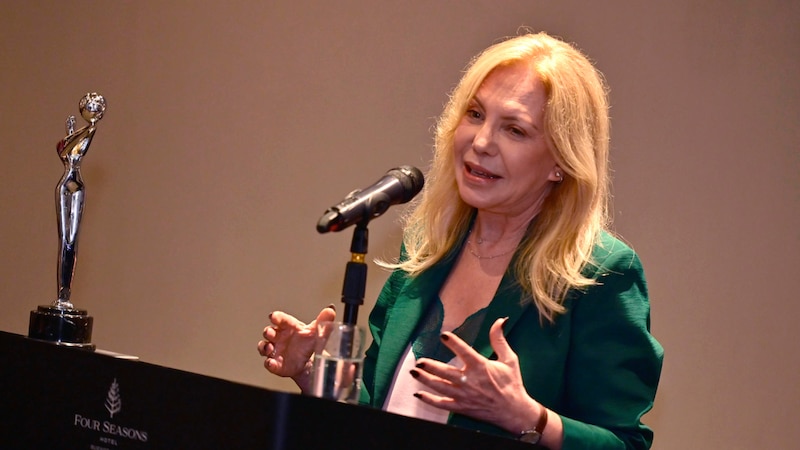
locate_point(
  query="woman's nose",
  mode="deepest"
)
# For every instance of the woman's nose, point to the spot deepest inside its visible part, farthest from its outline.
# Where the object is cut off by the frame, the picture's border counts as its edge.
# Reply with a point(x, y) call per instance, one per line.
point(484, 140)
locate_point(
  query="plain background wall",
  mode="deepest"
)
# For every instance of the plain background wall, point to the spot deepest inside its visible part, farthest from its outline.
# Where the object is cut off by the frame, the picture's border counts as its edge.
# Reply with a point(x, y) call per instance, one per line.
point(231, 126)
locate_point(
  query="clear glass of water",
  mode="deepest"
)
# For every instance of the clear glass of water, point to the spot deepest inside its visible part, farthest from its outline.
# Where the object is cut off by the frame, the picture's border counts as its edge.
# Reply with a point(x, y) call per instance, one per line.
point(338, 361)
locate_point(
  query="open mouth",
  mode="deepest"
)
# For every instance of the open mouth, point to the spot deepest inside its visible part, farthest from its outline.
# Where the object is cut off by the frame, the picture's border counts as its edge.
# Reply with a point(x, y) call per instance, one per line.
point(480, 173)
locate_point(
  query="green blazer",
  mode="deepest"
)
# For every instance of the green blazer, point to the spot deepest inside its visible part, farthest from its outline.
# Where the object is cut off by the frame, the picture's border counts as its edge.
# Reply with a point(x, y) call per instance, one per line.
point(597, 366)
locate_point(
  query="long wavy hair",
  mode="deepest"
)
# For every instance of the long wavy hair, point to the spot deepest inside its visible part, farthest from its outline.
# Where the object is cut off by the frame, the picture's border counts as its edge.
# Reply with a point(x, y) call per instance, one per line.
point(559, 242)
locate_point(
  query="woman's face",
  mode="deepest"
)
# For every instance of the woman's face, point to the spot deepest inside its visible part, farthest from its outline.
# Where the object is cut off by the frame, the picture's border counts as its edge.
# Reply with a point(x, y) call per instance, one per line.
point(502, 160)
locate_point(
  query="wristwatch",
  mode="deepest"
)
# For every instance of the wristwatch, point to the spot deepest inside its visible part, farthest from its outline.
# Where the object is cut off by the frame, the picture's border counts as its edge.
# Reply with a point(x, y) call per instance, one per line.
point(535, 435)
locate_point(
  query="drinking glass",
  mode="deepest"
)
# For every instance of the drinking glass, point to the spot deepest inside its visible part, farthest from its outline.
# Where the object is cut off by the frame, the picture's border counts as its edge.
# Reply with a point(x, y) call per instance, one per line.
point(338, 361)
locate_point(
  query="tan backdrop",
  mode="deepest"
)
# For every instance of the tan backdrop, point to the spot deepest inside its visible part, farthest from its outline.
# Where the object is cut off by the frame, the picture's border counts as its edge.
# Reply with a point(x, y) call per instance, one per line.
point(231, 126)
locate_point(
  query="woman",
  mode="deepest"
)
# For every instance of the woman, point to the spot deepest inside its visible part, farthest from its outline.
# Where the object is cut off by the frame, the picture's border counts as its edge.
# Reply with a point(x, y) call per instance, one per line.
point(511, 310)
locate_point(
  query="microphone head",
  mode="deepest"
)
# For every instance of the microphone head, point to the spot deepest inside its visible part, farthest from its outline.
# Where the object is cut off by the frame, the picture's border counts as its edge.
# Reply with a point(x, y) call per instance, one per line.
point(399, 185)
point(410, 178)
point(328, 222)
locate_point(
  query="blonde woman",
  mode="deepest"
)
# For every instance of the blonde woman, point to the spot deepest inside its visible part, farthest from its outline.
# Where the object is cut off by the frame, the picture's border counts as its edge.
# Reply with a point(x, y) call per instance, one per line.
point(511, 310)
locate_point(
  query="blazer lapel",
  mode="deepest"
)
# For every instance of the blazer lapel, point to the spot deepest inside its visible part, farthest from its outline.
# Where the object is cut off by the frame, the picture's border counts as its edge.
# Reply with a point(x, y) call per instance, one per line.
point(412, 303)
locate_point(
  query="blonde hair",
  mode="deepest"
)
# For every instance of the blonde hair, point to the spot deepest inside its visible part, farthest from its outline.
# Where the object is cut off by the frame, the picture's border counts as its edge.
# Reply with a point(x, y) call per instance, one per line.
point(560, 240)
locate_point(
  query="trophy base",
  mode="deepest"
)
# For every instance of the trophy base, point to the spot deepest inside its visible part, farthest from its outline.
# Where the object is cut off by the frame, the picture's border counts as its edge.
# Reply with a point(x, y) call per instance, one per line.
point(62, 326)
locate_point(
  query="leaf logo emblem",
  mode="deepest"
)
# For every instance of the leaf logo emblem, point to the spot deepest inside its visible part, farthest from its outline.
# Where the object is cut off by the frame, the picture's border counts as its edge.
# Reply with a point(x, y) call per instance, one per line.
point(113, 400)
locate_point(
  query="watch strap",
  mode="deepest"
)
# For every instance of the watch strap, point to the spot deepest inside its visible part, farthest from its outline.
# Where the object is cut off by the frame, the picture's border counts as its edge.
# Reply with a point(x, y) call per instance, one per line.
point(535, 435)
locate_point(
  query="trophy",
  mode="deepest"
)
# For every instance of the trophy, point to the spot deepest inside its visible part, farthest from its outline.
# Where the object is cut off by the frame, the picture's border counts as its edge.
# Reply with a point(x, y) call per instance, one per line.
point(60, 322)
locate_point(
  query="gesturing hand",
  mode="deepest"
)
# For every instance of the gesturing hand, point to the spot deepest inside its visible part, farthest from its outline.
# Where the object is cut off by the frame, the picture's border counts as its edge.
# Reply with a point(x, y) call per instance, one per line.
point(289, 344)
point(491, 391)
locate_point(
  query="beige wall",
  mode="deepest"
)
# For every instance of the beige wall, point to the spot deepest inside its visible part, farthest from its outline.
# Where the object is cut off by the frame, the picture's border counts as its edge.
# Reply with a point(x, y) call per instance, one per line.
point(231, 126)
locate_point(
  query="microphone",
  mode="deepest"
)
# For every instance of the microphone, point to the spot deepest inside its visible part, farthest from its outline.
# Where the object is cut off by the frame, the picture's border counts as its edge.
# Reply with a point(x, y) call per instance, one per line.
point(399, 185)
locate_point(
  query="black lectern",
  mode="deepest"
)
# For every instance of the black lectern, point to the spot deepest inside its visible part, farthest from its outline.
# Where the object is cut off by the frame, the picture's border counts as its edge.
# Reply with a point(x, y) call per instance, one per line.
point(57, 397)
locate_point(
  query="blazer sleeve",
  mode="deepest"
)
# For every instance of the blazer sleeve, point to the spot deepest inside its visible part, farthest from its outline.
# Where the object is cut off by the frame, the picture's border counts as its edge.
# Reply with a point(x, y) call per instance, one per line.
point(614, 363)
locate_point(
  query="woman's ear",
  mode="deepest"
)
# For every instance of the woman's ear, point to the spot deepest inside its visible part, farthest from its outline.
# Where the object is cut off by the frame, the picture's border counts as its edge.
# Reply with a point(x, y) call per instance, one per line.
point(556, 174)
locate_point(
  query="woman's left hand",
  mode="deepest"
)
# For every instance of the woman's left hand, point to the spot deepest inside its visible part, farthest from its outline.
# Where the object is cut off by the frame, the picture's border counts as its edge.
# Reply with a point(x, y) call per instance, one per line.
point(491, 391)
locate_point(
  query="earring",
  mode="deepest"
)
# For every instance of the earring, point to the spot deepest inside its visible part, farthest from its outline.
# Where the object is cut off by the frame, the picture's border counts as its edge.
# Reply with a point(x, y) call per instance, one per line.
point(560, 177)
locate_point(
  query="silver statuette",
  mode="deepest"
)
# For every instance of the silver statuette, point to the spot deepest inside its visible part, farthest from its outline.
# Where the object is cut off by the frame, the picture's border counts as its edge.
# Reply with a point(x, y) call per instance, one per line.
point(61, 322)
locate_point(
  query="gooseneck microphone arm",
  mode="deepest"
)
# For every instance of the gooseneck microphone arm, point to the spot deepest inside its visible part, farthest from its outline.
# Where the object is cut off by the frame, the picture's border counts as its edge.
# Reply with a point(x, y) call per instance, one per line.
point(355, 275)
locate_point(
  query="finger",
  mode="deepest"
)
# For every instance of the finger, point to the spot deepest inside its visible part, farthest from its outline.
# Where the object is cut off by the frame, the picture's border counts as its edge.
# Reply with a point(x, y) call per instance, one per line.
point(435, 400)
point(499, 343)
point(282, 320)
point(262, 348)
point(467, 354)
point(272, 365)
point(269, 332)
point(274, 334)
point(428, 368)
point(266, 349)
point(328, 314)
point(439, 386)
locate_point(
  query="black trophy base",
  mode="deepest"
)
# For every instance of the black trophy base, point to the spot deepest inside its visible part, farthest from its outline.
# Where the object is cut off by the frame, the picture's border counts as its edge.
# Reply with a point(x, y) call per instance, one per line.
point(62, 326)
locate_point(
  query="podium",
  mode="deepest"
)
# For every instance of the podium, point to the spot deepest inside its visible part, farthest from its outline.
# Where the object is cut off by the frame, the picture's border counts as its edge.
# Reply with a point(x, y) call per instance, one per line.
point(57, 397)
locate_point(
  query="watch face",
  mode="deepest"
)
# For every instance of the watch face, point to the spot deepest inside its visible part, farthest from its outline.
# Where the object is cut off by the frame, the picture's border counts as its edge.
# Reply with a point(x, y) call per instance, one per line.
point(530, 437)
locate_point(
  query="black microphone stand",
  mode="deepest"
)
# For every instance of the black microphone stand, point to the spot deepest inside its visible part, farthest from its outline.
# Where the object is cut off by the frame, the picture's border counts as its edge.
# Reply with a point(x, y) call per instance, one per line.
point(355, 275)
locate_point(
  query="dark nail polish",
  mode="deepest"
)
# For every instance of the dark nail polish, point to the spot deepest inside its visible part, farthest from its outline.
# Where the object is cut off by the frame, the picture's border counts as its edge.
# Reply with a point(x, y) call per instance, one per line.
point(420, 365)
point(503, 324)
point(445, 337)
point(414, 373)
point(332, 306)
point(270, 316)
point(416, 394)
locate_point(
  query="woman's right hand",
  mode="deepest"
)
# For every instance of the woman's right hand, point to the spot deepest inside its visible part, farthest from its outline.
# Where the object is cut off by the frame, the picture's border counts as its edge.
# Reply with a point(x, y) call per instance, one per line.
point(289, 344)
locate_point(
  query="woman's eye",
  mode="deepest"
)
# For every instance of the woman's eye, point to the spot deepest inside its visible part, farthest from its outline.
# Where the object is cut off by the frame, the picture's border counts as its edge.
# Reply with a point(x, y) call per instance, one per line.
point(517, 131)
point(473, 114)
